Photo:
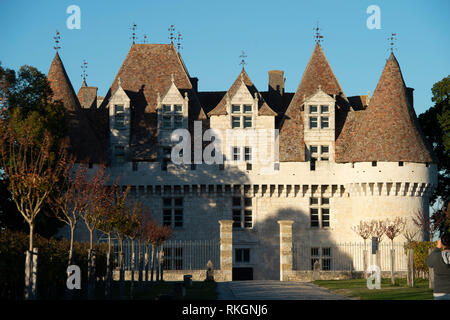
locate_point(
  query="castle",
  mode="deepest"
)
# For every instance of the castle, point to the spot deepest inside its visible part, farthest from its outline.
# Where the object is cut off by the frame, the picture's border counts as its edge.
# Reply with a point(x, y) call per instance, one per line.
point(340, 159)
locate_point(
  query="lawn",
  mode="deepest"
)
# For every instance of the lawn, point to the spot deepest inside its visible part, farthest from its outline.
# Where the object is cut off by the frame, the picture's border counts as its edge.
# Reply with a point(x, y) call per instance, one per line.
point(357, 288)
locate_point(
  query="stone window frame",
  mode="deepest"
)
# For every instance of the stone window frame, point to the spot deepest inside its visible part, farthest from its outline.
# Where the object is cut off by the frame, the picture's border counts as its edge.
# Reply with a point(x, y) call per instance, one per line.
point(317, 116)
point(119, 154)
point(322, 254)
point(240, 120)
point(321, 207)
point(119, 117)
point(171, 114)
point(319, 155)
point(175, 209)
point(245, 205)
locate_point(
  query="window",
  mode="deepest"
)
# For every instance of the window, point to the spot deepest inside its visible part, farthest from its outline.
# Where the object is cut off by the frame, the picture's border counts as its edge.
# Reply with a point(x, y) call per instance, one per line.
point(247, 122)
point(241, 116)
point(400, 163)
point(236, 154)
point(173, 212)
point(119, 154)
point(135, 166)
point(119, 117)
point(319, 152)
point(173, 259)
point(235, 122)
point(242, 212)
point(324, 123)
point(248, 154)
point(324, 109)
point(319, 212)
point(312, 109)
point(242, 255)
point(172, 116)
point(374, 163)
point(323, 256)
point(312, 122)
point(177, 108)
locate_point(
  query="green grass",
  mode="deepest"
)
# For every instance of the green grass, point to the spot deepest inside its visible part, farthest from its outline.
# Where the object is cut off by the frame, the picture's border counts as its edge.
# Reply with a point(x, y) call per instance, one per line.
point(357, 288)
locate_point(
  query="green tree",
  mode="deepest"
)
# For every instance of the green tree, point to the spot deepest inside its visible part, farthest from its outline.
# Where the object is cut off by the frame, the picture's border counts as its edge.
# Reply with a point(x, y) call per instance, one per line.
point(26, 105)
point(435, 123)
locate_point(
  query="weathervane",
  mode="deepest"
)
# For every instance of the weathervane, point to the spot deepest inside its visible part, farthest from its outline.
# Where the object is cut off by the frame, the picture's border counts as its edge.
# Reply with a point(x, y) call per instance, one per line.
point(318, 38)
point(83, 70)
point(243, 56)
point(57, 38)
point(145, 38)
point(171, 33)
point(179, 38)
point(133, 34)
point(392, 40)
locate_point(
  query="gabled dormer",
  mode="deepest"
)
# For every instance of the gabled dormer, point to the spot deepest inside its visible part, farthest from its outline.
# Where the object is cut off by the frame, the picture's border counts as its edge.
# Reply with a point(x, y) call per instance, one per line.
point(319, 126)
point(119, 125)
point(173, 112)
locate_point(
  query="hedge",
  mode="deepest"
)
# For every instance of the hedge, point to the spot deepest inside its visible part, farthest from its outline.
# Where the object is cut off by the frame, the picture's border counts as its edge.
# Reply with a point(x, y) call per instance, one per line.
point(52, 264)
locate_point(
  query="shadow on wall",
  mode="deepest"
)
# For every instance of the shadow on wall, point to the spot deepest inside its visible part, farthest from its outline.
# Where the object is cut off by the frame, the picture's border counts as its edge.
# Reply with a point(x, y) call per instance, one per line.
point(308, 245)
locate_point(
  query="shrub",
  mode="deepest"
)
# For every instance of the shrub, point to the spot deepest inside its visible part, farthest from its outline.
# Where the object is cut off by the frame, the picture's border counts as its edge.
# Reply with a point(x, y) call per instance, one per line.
point(420, 249)
point(52, 264)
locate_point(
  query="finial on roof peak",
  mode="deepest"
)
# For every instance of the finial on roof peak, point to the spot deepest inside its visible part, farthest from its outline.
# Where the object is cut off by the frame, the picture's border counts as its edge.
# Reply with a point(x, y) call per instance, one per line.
point(172, 78)
point(319, 87)
point(118, 82)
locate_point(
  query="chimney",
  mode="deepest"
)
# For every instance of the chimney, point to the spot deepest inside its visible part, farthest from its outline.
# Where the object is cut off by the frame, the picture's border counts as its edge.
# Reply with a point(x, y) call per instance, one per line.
point(276, 81)
point(194, 82)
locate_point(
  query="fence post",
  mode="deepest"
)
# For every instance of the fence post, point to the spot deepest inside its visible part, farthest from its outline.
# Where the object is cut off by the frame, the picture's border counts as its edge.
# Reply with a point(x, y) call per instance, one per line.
point(226, 249)
point(285, 249)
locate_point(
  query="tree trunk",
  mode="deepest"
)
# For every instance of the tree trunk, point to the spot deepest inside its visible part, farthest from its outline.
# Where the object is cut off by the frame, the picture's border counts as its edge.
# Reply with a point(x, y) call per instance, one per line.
point(410, 274)
point(430, 273)
point(121, 271)
point(152, 263)
point(28, 294)
point(161, 262)
point(157, 263)
point(139, 265)
point(133, 261)
point(392, 265)
point(146, 262)
point(108, 270)
point(91, 274)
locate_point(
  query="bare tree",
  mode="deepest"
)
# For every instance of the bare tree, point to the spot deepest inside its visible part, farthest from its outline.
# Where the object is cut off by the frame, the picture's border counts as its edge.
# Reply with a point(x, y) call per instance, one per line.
point(393, 228)
point(364, 230)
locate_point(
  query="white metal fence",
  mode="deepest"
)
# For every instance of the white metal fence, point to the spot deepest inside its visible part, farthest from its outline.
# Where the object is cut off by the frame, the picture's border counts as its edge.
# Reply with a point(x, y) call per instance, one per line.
point(178, 254)
point(348, 256)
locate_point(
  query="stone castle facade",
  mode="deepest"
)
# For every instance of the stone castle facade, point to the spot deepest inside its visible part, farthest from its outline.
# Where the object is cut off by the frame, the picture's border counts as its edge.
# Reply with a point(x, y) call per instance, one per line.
point(341, 159)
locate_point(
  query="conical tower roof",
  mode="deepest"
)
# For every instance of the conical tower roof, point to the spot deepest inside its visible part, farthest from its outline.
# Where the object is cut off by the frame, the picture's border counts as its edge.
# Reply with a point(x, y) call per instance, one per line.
point(61, 86)
point(388, 130)
point(83, 142)
point(318, 72)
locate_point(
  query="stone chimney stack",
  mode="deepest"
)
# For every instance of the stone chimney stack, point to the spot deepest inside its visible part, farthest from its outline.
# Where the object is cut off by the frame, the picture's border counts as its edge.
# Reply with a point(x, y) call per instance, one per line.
point(276, 81)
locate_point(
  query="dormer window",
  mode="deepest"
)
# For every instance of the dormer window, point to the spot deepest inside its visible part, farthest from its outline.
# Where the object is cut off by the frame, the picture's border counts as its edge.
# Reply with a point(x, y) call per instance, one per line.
point(315, 117)
point(172, 116)
point(119, 117)
point(324, 123)
point(241, 116)
point(324, 109)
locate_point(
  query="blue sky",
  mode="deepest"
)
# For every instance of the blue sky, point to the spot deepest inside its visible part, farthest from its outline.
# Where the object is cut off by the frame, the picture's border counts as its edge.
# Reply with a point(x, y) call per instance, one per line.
point(274, 34)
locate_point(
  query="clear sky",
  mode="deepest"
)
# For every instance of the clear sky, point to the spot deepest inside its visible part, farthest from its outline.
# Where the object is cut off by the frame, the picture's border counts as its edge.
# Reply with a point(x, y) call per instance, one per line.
point(274, 34)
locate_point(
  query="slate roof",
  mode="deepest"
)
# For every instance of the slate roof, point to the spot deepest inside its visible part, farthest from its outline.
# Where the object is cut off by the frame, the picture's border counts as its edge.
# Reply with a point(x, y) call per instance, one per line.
point(317, 72)
point(87, 96)
point(388, 129)
point(263, 107)
point(83, 141)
